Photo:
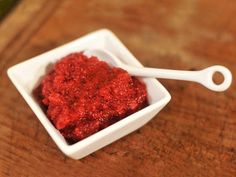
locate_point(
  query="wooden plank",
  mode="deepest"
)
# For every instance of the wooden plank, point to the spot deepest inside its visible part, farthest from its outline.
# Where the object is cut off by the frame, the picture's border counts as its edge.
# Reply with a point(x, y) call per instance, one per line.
point(21, 24)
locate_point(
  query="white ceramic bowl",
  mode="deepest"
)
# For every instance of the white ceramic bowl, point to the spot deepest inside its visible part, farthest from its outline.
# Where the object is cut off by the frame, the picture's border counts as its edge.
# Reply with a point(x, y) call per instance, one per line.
point(26, 76)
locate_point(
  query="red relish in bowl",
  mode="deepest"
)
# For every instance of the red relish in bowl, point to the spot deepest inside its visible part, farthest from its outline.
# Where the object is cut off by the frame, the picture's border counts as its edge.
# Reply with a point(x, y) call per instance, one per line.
point(83, 95)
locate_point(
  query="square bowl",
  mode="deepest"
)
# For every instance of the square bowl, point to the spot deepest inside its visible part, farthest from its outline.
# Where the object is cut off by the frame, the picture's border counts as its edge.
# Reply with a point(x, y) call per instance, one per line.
point(26, 76)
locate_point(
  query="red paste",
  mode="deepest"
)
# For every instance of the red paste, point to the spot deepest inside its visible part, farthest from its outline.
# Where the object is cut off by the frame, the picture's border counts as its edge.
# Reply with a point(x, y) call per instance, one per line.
point(84, 95)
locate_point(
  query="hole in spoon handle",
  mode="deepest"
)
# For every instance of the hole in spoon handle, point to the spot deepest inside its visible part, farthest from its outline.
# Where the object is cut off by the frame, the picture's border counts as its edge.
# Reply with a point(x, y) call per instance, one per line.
point(207, 78)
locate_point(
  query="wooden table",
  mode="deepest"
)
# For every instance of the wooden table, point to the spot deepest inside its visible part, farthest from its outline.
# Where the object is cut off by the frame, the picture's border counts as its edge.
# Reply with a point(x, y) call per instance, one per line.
point(195, 135)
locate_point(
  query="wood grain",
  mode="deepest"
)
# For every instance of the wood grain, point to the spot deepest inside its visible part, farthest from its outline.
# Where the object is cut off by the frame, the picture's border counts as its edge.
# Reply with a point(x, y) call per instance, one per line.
point(193, 136)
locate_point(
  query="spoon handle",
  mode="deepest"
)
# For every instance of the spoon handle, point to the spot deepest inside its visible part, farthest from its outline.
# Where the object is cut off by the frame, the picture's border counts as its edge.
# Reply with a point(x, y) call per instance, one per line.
point(204, 77)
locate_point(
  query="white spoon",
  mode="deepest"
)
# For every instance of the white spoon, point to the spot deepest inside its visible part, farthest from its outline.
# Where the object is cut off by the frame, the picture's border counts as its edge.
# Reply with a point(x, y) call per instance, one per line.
point(203, 77)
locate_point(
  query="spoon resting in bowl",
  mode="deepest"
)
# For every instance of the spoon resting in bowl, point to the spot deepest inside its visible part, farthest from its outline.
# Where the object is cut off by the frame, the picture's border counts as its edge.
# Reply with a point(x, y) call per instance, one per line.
point(204, 77)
